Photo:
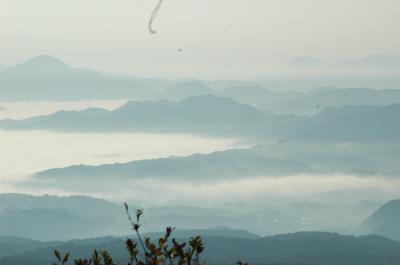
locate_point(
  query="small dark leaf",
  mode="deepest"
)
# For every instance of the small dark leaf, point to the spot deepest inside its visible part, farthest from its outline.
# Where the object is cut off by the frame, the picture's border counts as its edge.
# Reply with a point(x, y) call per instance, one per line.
point(65, 259)
point(139, 213)
point(57, 254)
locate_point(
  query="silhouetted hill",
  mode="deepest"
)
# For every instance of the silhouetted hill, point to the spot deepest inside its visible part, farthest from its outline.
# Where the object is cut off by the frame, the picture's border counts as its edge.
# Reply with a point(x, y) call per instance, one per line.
point(352, 123)
point(229, 164)
point(80, 205)
point(212, 115)
point(52, 217)
point(352, 157)
point(305, 248)
point(64, 218)
point(215, 232)
point(385, 221)
point(48, 78)
point(49, 224)
point(201, 115)
point(314, 101)
point(10, 246)
point(299, 248)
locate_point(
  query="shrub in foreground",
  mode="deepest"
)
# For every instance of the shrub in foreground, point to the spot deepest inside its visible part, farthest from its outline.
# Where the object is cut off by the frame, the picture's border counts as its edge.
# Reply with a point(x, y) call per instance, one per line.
point(144, 251)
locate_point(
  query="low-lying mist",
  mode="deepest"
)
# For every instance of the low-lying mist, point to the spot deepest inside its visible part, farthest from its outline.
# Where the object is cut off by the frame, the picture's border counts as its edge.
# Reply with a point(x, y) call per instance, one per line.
point(31, 151)
point(26, 109)
point(331, 189)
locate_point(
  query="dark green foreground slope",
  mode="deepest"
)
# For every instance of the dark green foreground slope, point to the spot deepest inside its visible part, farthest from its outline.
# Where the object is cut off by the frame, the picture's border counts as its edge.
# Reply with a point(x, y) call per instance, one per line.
point(299, 248)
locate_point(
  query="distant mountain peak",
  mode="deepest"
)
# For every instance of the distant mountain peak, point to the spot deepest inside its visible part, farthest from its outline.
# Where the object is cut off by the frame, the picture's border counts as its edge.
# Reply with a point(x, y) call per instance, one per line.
point(384, 221)
point(45, 58)
point(43, 62)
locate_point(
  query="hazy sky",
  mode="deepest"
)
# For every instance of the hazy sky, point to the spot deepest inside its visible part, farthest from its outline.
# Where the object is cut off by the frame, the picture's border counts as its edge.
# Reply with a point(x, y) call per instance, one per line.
point(219, 38)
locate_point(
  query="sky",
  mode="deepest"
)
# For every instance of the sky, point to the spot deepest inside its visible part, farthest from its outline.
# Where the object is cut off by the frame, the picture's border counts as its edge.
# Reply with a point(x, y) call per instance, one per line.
point(219, 38)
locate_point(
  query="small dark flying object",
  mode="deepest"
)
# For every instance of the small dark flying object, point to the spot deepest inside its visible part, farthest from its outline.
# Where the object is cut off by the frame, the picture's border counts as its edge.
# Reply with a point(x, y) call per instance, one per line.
point(180, 50)
point(154, 16)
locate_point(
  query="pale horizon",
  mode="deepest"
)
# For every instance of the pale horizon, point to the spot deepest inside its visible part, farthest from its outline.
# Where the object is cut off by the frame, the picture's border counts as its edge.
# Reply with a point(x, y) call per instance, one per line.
point(249, 78)
point(224, 39)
